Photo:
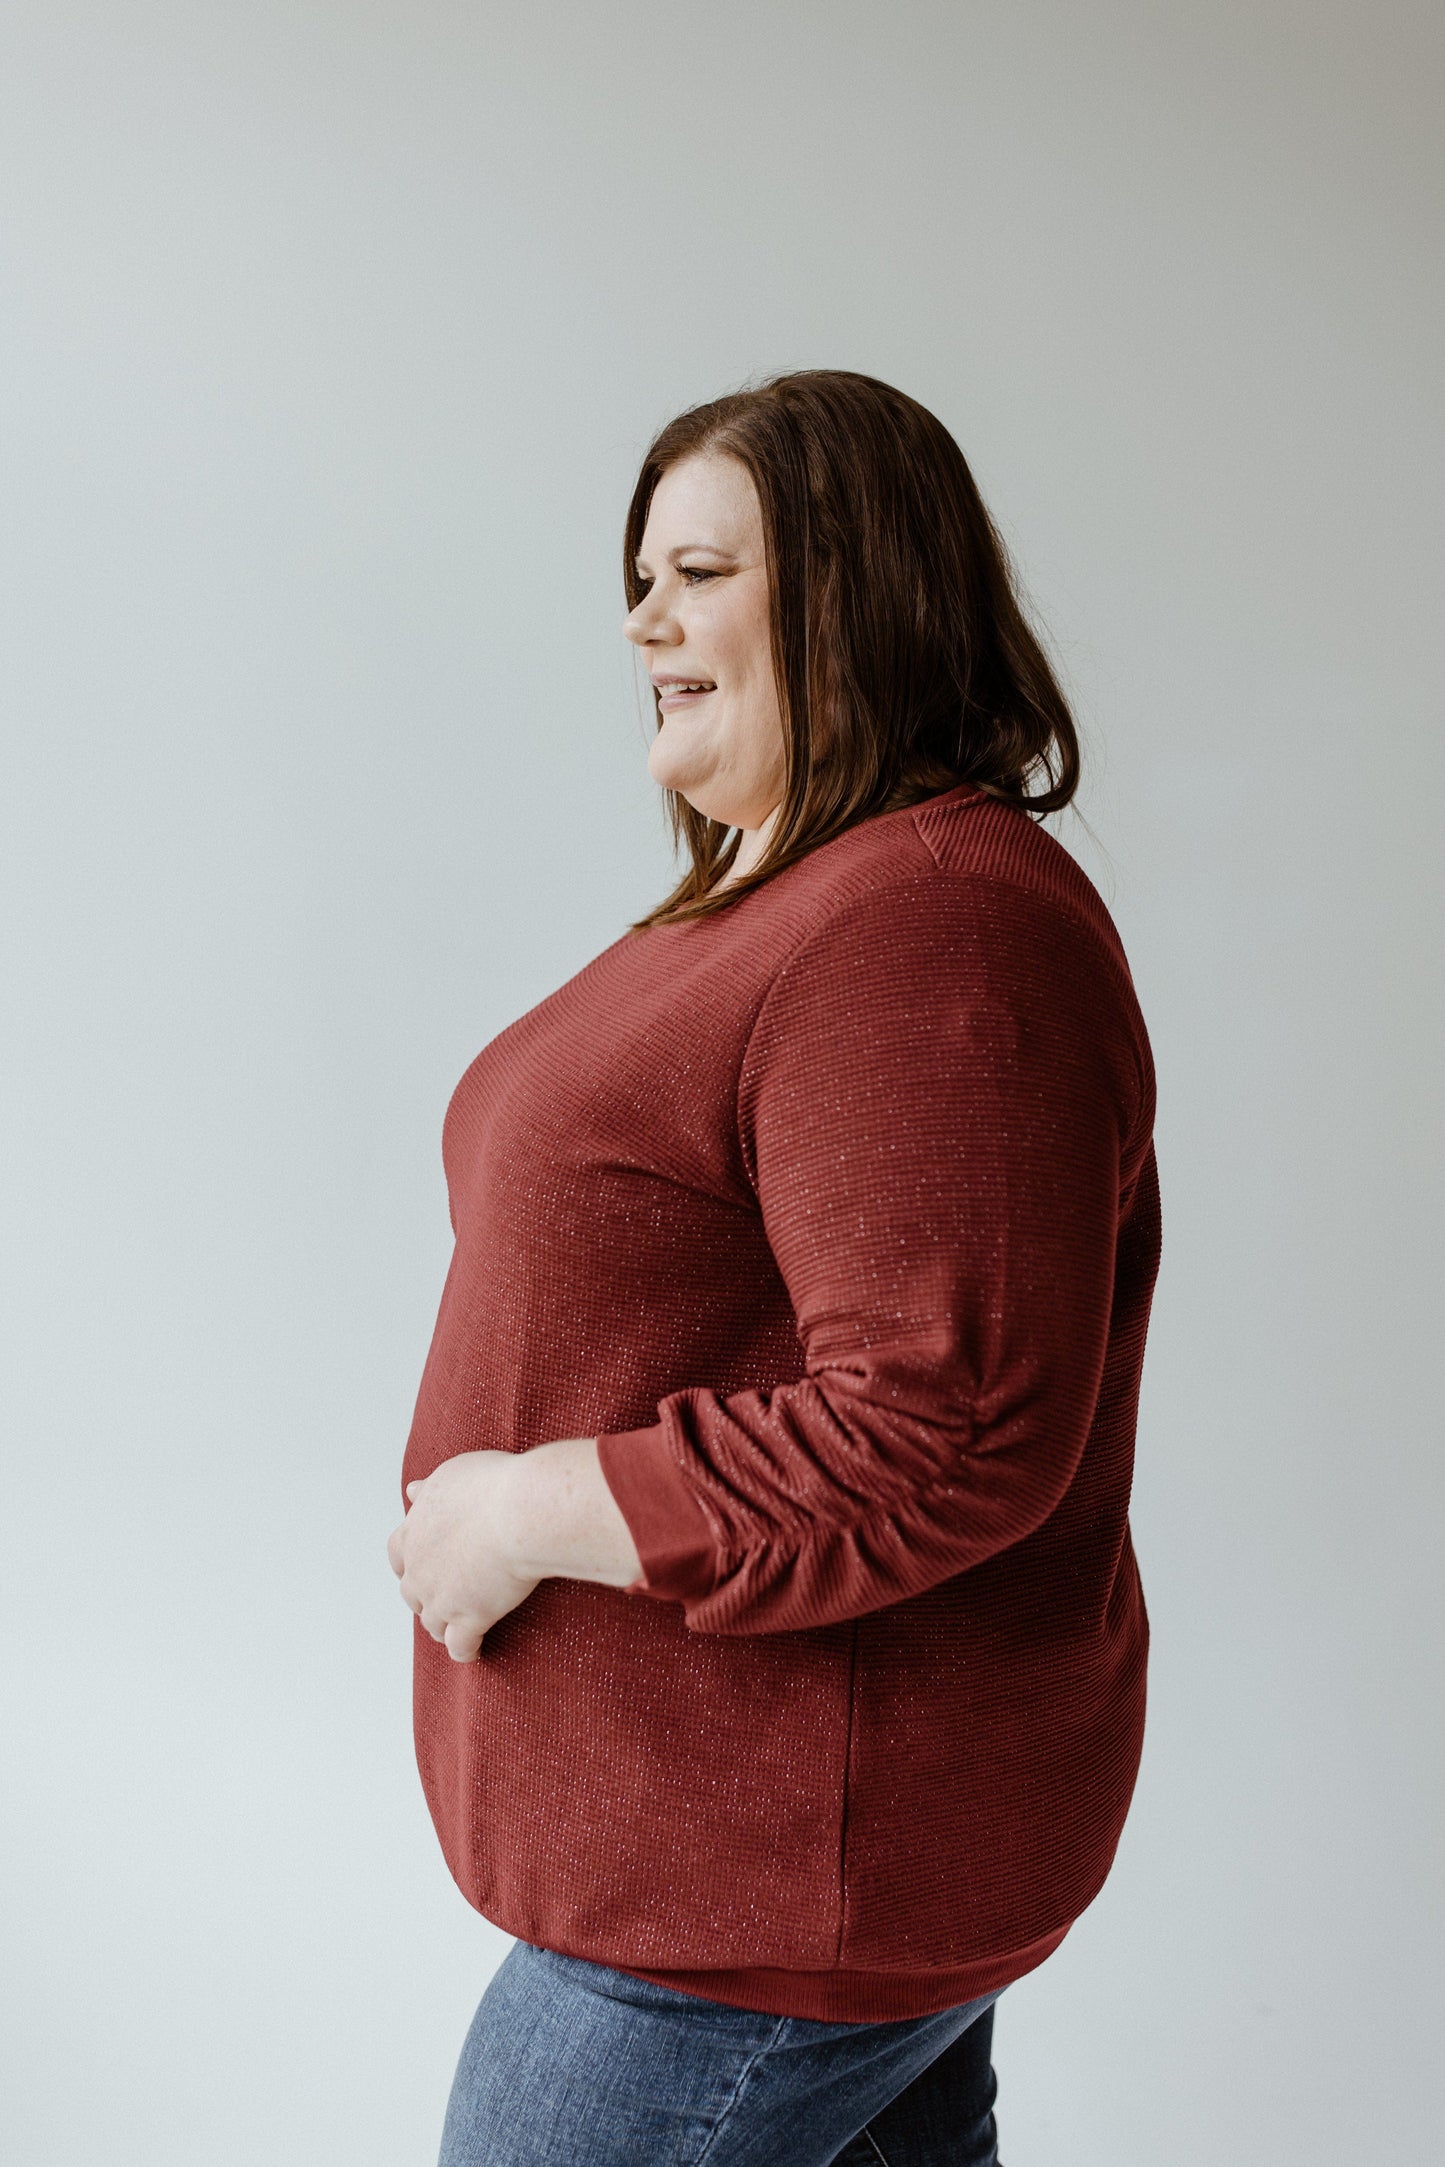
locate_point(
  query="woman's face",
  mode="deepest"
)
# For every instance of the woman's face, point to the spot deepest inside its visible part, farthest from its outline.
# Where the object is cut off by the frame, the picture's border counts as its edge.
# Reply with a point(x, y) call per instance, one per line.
point(704, 621)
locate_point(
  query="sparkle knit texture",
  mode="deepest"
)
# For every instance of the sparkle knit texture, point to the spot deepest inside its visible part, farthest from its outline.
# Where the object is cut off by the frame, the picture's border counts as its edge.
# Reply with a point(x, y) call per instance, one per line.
point(835, 1218)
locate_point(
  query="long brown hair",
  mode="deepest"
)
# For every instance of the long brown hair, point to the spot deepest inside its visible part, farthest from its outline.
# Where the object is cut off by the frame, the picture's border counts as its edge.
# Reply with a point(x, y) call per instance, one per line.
point(903, 659)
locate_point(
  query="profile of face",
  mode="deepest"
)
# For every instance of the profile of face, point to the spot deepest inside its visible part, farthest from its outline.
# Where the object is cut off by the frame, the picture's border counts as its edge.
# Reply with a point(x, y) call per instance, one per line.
point(702, 627)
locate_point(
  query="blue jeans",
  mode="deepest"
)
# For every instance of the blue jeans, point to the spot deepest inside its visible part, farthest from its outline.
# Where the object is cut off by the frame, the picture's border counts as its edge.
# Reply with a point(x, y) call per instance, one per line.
point(571, 2064)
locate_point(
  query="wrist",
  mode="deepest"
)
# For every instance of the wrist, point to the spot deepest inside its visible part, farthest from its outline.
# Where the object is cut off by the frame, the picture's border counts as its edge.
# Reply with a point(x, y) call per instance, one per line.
point(560, 1520)
point(522, 1513)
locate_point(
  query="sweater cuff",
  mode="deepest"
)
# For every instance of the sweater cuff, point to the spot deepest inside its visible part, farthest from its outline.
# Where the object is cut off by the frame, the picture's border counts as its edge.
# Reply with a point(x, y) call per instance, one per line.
point(668, 1526)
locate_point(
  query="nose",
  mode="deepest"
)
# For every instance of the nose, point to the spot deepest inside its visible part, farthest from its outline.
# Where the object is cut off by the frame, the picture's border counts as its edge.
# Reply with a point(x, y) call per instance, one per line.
point(649, 622)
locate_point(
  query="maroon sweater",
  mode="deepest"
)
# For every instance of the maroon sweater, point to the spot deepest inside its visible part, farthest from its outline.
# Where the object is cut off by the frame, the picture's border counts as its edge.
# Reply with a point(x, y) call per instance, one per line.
point(835, 1217)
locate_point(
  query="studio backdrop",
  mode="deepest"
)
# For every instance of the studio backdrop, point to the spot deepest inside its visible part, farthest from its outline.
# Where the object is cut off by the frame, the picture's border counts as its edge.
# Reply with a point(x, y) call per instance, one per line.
point(332, 337)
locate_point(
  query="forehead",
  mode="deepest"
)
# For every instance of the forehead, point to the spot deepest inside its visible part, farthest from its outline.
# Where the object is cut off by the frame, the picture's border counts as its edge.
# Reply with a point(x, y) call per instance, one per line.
point(706, 497)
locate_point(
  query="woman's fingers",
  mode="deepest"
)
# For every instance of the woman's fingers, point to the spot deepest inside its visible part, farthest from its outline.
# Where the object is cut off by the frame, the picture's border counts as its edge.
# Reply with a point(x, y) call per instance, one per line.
point(461, 1637)
point(463, 1640)
point(450, 1553)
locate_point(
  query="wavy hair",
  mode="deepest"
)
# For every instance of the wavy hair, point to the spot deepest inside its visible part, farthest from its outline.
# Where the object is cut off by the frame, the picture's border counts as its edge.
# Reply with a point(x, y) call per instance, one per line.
point(903, 659)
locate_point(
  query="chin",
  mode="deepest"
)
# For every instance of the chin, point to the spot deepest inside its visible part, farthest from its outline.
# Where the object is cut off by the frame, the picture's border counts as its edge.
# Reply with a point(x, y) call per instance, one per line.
point(675, 775)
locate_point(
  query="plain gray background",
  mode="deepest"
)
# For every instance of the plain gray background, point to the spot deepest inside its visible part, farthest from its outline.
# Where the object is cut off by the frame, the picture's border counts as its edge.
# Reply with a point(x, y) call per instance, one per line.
point(333, 336)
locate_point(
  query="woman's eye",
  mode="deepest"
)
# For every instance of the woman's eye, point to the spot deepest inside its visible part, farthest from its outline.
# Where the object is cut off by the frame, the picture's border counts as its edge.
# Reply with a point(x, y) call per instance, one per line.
point(694, 571)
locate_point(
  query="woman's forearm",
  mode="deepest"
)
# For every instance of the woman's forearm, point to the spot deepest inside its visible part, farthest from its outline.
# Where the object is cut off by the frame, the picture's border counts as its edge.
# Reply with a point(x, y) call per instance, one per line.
point(562, 1520)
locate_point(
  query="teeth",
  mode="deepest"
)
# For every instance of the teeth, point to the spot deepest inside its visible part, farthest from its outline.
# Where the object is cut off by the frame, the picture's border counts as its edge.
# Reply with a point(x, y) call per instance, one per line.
point(685, 688)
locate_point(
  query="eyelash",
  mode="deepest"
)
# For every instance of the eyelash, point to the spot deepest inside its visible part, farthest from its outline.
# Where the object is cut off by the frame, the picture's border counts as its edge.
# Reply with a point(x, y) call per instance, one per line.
point(689, 572)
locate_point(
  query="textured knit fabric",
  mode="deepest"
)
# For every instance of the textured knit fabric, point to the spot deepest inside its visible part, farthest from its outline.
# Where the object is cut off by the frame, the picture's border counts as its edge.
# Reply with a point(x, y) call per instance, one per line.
point(835, 1218)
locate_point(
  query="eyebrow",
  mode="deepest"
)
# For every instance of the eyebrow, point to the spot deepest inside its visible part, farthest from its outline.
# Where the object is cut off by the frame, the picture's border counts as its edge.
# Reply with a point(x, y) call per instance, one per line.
point(687, 549)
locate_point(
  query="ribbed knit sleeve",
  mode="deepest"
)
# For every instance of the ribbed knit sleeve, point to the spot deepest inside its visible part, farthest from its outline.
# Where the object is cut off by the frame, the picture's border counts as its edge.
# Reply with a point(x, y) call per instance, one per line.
point(936, 1108)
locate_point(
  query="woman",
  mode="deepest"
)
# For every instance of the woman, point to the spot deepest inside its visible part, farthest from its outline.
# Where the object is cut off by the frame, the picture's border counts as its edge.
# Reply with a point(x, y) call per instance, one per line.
point(781, 1667)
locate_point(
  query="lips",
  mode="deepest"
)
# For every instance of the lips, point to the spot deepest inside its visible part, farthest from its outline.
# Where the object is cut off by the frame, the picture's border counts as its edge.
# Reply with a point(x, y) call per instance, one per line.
point(674, 696)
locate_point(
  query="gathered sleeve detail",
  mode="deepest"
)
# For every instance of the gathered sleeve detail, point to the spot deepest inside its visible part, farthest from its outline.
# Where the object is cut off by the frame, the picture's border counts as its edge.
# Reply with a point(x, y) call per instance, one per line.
point(941, 1106)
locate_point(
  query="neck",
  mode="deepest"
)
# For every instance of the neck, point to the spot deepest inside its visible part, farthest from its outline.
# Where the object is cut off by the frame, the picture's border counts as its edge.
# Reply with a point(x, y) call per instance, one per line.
point(754, 841)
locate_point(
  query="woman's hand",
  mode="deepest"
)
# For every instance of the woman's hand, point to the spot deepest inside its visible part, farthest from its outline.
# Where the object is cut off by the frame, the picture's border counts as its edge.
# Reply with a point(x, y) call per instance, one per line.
point(485, 1527)
point(453, 1551)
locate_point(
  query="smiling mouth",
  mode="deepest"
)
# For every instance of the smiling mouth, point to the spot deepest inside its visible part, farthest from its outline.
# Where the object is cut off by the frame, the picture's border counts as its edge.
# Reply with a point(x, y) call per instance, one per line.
point(674, 696)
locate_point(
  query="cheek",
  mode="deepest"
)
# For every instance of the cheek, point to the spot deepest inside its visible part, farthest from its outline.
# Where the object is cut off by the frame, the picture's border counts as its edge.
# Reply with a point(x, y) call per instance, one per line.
point(743, 647)
point(735, 636)
point(761, 691)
